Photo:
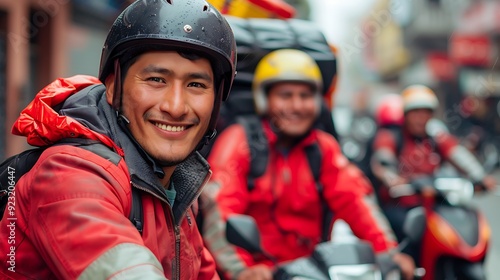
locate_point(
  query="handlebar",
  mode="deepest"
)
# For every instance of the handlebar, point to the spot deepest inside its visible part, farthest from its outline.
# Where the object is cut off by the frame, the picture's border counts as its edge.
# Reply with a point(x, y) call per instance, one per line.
point(454, 190)
point(402, 190)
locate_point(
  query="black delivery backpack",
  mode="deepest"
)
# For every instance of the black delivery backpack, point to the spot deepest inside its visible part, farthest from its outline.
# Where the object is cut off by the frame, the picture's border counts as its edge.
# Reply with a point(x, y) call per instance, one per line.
point(256, 37)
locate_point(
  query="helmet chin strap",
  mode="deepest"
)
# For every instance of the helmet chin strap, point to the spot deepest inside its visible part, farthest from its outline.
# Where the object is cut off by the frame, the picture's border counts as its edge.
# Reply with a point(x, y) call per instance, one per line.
point(209, 136)
point(117, 94)
point(157, 167)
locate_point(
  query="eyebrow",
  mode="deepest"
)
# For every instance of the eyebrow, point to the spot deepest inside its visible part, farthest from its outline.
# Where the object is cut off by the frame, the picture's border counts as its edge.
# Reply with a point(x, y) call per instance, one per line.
point(164, 71)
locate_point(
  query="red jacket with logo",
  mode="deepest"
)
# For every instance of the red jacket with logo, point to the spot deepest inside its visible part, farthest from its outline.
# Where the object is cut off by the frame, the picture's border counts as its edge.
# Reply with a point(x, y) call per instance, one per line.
point(285, 202)
point(70, 212)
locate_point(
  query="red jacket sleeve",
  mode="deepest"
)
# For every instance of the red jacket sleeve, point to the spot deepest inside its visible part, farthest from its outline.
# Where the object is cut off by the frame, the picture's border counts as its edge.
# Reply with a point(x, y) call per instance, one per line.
point(347, 190)
point(230, 162)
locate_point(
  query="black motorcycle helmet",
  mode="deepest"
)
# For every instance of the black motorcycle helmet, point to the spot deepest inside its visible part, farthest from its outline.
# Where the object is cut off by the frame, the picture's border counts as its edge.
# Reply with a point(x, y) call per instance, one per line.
point(191, 25)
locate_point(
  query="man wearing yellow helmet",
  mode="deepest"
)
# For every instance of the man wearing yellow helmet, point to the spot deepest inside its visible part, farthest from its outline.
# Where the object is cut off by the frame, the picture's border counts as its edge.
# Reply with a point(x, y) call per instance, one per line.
point(417, 150)
point(284, 199)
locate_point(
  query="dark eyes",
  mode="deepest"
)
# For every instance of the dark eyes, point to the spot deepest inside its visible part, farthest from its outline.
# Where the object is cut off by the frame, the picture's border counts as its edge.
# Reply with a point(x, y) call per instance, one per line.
point(156, 79)
point(198, 85)
point(191, 84)
point(303, 95)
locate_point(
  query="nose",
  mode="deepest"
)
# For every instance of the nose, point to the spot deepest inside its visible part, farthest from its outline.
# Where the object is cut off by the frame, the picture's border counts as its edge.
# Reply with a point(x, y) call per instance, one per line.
point(296, 102)
point(174, 101)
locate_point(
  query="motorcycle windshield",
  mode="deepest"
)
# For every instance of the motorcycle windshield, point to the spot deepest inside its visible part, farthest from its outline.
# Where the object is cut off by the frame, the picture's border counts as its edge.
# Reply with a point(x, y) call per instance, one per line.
point(463, 220)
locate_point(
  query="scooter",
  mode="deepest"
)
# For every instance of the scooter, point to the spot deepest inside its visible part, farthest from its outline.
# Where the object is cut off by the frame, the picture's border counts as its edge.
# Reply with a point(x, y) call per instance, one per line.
point(339, 260)
point(454, 235)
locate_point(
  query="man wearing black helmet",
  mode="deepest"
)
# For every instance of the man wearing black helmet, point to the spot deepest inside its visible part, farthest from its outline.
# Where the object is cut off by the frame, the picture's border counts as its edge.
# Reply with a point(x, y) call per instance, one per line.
point(131, 141)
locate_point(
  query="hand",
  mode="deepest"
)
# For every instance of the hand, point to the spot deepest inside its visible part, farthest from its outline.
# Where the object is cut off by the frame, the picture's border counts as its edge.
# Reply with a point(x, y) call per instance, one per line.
point(428, 191)
point(256, 272)
point(395, 181)
point(489, 182)
point(406, 264)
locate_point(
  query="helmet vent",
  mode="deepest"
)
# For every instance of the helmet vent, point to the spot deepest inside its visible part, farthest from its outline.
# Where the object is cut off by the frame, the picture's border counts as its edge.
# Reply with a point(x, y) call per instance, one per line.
point(188, 28)
point(205, 8)
point(169, 2)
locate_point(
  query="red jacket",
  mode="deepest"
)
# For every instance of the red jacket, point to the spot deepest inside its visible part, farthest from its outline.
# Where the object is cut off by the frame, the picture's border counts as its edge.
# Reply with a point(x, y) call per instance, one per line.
point(422, 157)
point(285, 202)
point(71, 210)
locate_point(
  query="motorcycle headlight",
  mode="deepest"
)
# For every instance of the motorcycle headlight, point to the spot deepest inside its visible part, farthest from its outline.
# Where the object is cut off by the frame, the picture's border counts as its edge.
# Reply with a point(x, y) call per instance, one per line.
point(393, 275)
point(355, 272)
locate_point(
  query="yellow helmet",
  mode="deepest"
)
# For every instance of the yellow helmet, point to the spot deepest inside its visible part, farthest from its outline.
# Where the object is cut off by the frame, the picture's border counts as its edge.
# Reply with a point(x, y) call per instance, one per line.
point(284, 65)
point(419, 97)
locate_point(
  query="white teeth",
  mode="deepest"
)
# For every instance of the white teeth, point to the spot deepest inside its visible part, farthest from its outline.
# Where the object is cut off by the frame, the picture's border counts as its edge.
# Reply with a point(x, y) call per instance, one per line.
point(170, 127)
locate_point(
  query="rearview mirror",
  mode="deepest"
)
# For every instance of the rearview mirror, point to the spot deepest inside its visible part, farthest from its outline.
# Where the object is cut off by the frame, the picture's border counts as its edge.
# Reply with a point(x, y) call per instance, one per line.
point(242, 231)
point(414, 224)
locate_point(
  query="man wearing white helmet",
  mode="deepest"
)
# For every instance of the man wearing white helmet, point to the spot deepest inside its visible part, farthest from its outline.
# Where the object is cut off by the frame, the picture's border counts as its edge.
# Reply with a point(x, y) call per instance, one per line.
point(417, 150)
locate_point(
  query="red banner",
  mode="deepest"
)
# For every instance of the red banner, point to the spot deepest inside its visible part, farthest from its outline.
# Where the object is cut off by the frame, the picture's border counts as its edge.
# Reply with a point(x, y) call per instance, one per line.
point(471, 50)
point(441, 66)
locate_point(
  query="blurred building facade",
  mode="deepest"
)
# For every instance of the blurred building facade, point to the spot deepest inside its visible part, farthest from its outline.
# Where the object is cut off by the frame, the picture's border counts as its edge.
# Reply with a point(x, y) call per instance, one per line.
point(41, 40)
point(451, 46)
point(455, 46)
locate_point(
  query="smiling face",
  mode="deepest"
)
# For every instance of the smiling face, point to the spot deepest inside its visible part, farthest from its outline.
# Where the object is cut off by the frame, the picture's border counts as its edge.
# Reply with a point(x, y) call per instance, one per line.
point(168, 100)
point(293, 107)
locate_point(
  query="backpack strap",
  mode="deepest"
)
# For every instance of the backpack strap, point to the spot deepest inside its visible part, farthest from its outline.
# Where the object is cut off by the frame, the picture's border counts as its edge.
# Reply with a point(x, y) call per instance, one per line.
point(259, 147)
point(313, 154)
point(397, 134)
point(136, 213)
point(259, 153)
point(314, 157)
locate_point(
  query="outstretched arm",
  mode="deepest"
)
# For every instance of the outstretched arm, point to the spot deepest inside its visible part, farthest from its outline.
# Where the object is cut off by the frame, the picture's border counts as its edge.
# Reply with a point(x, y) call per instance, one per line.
point(227, 194)
point(463, 160)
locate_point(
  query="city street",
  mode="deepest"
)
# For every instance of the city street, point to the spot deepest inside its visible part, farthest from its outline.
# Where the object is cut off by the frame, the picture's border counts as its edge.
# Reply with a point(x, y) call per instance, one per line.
point(490, 206)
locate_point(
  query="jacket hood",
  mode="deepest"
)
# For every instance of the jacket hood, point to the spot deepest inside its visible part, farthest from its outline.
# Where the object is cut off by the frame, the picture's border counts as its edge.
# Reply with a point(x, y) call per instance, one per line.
point(43, 125)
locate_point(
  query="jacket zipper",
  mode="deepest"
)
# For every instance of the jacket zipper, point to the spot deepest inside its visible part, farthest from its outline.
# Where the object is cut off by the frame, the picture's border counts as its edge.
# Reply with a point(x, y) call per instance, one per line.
point(286, 173)
point(176, 264)
point(177, 261)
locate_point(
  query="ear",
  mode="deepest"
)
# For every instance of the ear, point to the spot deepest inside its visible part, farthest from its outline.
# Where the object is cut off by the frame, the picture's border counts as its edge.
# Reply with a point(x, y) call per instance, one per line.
point(110, 88)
